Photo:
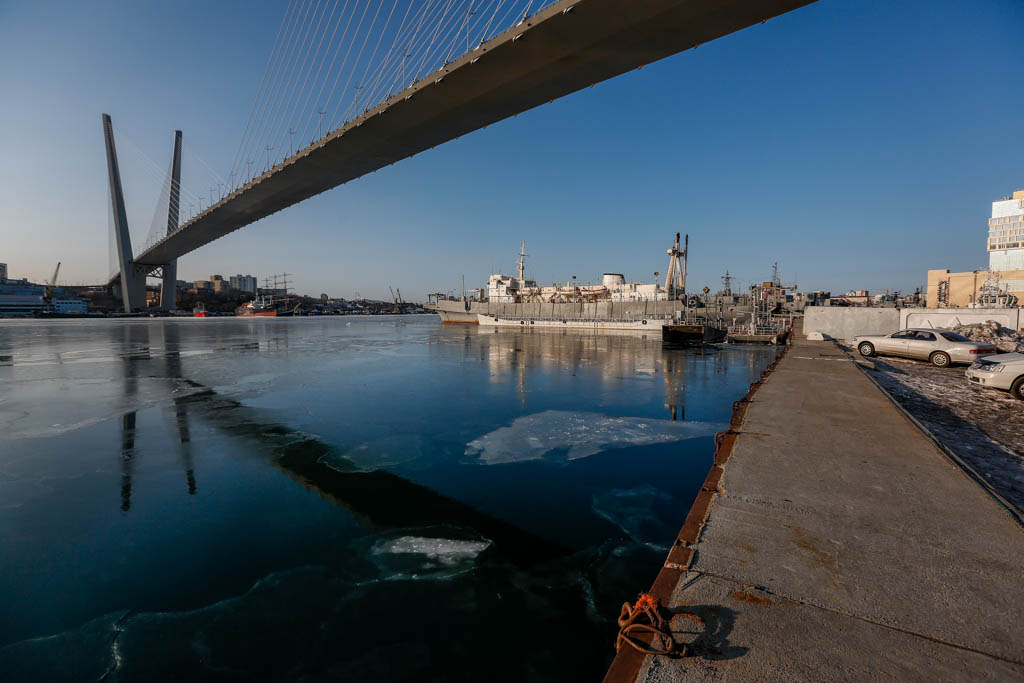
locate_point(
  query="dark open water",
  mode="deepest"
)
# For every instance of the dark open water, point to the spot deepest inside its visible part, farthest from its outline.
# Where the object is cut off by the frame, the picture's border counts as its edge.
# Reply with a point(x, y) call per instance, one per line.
point(309, 499)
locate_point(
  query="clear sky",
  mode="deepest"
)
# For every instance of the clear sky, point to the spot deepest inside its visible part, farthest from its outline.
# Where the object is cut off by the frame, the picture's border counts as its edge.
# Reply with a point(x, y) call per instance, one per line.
point(857, 143)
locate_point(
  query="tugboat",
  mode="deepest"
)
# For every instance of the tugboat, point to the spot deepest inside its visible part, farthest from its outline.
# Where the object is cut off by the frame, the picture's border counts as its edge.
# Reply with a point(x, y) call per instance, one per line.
point(199, 311)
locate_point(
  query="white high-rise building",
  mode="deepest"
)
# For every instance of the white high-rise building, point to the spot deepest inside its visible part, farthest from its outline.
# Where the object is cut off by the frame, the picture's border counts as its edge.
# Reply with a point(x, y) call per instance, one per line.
point(1006, 233)
point(243, 283)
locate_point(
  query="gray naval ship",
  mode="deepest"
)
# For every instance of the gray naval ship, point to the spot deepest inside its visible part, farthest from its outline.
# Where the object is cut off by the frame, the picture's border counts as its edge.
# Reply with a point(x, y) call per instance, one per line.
point(614, 304)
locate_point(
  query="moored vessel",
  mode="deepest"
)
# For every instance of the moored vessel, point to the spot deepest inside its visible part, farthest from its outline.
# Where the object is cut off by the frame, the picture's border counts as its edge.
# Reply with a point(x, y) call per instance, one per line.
point(263, 307)
point(611, 303)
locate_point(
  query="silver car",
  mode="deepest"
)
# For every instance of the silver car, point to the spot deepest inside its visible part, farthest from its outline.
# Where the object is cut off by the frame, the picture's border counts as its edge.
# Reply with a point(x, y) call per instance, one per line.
point(940, 347)
point(1001, 372)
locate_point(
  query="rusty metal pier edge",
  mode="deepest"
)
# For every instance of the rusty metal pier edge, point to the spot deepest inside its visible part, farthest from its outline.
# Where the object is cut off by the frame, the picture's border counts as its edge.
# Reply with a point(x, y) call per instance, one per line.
point(626, 665)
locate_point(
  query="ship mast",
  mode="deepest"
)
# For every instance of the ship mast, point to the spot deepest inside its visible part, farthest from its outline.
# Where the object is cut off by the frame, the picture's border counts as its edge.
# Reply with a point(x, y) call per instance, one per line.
point(522, 260)
point(686, 260)
point(677, 268)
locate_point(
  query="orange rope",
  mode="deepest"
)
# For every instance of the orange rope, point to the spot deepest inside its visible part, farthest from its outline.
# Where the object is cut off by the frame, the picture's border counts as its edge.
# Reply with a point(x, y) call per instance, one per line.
point(644, 618)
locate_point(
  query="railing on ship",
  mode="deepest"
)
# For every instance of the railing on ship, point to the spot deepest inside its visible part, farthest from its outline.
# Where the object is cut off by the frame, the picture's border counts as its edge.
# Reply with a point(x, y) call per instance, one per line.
point(771, 326)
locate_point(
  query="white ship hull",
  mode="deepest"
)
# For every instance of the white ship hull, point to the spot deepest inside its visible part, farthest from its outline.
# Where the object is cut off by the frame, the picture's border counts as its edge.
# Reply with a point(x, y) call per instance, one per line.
point(638, 325)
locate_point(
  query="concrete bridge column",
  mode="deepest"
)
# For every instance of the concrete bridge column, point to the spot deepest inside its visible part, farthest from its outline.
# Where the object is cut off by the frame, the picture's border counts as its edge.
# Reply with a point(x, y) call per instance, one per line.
point(133, 285)
point(168, 289)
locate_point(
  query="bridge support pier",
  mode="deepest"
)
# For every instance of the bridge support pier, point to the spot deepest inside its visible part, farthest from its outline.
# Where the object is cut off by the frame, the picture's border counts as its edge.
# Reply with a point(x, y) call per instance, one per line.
point(169, 288)
point(133, 284)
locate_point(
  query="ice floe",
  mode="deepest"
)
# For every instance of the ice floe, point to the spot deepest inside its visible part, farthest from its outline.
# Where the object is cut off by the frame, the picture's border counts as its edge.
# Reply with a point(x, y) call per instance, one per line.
point(414, 556)
point(580, 434)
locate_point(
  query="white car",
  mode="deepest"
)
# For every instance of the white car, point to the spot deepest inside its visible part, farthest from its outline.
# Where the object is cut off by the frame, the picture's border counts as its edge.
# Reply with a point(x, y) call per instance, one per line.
point(938, 346)
point(1004, 372)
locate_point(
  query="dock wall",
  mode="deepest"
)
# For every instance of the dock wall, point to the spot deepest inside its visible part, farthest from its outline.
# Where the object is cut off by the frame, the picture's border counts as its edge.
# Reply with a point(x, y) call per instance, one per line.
point(951, 317)
point(847, 322)
point(844, 322)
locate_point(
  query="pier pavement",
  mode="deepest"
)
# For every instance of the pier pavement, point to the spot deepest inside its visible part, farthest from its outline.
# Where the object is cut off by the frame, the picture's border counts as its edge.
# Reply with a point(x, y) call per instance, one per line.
point(842, 544)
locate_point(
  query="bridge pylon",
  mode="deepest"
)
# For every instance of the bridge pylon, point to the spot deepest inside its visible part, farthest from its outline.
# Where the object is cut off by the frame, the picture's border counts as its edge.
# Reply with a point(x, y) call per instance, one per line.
point(133, 282)
point(169, 289)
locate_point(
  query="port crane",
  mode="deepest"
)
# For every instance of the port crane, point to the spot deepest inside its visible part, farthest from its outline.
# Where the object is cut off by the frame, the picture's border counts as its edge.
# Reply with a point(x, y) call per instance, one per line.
point(396, 297)
point(52, 284)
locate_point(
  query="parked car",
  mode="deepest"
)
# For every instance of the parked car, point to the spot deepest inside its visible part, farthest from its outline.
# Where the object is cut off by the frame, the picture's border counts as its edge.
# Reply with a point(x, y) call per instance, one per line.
point(1004, 372)
point(940, 347)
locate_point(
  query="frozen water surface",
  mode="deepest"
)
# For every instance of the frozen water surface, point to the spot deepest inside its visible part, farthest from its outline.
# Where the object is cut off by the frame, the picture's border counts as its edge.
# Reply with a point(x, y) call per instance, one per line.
point(230, 499)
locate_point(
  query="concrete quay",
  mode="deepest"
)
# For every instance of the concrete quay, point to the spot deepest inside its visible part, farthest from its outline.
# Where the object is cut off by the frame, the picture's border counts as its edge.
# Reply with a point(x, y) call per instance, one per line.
point(838, 544)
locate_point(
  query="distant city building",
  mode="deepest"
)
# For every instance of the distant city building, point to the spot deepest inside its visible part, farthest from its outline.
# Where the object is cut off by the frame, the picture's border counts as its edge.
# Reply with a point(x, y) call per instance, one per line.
point(855, 297)
point(243, 283)
point(203, 285)
point(20, 297)
point(3, 272)
point(218, 284)
point(68, 306)
point(1006, 233)
point(974, 288)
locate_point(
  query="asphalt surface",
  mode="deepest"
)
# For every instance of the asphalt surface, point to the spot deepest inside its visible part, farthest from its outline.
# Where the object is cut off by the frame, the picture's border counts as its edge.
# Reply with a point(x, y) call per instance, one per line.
point(983, 426)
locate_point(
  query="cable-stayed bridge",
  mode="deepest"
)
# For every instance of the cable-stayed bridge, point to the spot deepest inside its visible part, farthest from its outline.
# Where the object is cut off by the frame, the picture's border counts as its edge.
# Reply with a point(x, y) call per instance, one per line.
point(412, 75)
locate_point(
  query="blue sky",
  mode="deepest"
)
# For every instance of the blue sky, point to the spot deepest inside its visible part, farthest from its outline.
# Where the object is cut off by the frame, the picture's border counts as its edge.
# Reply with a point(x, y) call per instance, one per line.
point(857, 143)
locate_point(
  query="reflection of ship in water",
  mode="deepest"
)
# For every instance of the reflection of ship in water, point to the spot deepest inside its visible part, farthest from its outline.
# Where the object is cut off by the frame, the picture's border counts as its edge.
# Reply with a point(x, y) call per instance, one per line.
point(615, 357)
point(379, 499)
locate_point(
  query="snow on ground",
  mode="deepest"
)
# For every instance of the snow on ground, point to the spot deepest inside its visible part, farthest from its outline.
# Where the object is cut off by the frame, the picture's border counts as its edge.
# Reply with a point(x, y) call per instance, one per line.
point(984, 427)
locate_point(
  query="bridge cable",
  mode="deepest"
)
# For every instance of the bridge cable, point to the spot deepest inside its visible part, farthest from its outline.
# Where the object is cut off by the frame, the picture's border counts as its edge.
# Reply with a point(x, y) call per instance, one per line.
point(291, 75)
point(303, 129)
point(399, 67)
point(412, 47)
point(323, 104)
point(354, 107)
point(385, 61)
point(272, 84)
point(344, 63)
point(423, 59)
point(434, 57)
point(263, 80)
point(386, 64)
point(355, 64)
point(272, 94)
point(298, 85)
point(300, 117)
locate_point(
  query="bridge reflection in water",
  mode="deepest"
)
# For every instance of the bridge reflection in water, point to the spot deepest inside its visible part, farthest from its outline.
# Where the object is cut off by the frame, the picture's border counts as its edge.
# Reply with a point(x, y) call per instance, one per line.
point(450, 557)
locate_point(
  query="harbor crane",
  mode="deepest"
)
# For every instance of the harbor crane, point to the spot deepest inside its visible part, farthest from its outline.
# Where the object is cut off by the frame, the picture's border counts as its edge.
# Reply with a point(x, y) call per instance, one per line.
point(52, 284)
point(396, 297)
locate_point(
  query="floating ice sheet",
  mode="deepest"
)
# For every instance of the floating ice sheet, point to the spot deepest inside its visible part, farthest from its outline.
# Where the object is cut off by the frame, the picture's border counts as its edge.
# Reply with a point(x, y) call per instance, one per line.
point(416, 557)
point(532, 437)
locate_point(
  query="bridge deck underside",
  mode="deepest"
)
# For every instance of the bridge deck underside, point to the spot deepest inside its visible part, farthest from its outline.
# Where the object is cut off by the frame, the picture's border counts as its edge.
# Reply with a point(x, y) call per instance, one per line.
point(564, 48)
